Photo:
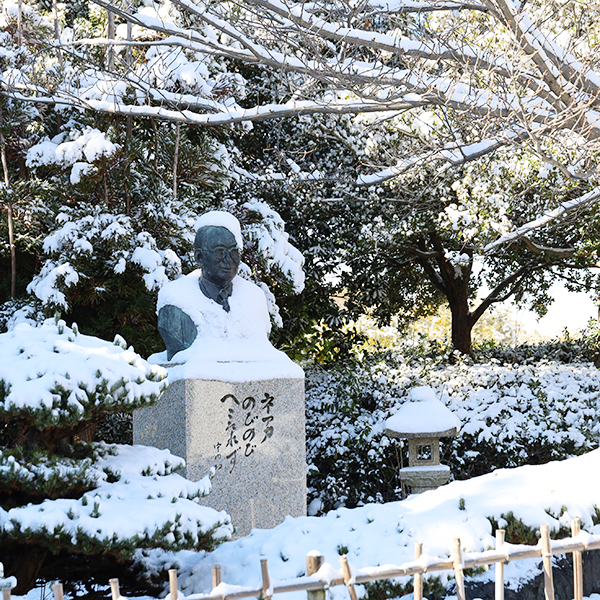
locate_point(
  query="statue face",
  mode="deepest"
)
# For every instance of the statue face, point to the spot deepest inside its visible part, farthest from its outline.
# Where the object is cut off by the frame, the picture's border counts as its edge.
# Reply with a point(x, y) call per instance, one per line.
point(219, 257)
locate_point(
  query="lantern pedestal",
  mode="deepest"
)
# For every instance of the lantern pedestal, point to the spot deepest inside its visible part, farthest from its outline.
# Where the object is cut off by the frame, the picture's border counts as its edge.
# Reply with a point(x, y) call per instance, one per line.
point(421, 479)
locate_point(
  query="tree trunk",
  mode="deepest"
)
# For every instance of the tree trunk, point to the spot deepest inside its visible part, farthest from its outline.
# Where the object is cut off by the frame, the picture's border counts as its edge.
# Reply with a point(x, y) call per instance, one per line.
point(176, 160)
point(452, 280)
point(57, 31)
point(9, 216)
point(13, 251)
point(20, 22)
point(111, 36)
point(462, 326)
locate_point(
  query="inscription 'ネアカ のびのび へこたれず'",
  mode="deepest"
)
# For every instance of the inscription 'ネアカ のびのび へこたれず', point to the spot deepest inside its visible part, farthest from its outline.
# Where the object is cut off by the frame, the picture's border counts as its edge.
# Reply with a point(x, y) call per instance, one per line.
point(250, 423)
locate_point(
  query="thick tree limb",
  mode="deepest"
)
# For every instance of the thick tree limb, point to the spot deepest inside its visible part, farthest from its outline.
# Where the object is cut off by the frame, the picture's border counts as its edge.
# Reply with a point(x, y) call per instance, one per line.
point(551, 252)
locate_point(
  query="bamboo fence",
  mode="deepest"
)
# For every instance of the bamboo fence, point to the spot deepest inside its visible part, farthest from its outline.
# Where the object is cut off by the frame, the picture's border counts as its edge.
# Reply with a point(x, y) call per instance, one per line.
point(317, 580)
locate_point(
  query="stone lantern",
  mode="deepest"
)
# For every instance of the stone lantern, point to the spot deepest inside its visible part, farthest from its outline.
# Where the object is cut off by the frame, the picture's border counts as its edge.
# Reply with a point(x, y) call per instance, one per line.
point(423, 420)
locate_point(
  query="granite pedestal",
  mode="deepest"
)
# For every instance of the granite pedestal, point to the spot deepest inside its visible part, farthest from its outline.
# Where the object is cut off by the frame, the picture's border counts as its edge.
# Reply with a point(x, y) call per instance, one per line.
point(421, 479)
point(251, 433)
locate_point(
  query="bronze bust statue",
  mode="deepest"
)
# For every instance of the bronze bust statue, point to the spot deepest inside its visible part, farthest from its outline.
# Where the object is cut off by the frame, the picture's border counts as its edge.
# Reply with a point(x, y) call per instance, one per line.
point(216, 251)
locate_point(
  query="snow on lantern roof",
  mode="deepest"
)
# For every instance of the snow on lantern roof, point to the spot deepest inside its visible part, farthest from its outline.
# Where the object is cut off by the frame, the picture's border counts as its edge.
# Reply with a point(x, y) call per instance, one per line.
point(422, 416)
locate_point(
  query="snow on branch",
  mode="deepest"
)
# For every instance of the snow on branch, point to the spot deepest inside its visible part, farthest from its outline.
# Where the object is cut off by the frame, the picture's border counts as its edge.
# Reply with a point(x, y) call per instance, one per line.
point(454, 156)
point(509, 74)
point(258, 113)
point(548, 217)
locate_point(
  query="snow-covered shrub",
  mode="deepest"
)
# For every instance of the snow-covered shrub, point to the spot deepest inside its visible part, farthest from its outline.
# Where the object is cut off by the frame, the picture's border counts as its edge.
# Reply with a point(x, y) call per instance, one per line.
point(350, 461)
point(528, 410)
point(61, 494)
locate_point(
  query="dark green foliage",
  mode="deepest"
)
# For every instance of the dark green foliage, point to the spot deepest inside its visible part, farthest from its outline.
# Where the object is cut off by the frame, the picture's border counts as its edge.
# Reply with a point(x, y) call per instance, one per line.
point(352, 463)
point(84, 576)
point(115, 428)
point(516, 532)
point(349, 462)
point(63, 417)
point(388, 589)
point(123, 304)
point(57, 539)
point(33, 475)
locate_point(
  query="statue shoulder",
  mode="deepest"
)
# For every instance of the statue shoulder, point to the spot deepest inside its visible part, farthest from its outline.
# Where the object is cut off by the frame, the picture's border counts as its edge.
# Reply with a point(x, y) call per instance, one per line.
point(176, 328)
point(253, 299)
point(244, 286)
point(178, 290)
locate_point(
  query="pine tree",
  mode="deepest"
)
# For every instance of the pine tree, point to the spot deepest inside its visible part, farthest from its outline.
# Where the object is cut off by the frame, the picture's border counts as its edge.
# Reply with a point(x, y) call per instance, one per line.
point(64, 497)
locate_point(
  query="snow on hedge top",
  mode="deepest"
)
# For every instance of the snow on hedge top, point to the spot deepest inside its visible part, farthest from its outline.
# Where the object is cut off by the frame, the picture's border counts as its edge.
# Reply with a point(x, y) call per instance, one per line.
point(138, 502)
point(59, 376)
point(220, 218)
point(378, 534)
point(424, 414)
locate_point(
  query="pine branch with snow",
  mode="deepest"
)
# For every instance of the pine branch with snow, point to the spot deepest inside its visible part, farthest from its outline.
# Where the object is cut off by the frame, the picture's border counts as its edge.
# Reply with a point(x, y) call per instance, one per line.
point(62, 493)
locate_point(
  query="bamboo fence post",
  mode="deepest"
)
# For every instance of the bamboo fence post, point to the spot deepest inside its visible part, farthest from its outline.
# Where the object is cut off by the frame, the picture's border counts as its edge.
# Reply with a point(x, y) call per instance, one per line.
point(173, 583)
point(314, 561)
point(348, 576)
point(267, 592)
point(459, 570)
point(577, 563)
point(6, 594)
point(216, 576)
point(547, 560)
point(57, 590)
point(114, 588)
point(418, 578)
point(499, 568)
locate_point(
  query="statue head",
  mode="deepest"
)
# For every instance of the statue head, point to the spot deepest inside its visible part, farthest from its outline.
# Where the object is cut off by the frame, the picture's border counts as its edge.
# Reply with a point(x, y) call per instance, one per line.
point(217, 252)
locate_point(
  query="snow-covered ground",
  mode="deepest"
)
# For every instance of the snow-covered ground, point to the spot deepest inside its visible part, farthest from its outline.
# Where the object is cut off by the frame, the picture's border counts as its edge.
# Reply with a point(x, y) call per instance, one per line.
point(384, 534)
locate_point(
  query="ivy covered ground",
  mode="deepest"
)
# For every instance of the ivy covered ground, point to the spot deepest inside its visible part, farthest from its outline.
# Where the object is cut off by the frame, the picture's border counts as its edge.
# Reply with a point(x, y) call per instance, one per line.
point(518, 406)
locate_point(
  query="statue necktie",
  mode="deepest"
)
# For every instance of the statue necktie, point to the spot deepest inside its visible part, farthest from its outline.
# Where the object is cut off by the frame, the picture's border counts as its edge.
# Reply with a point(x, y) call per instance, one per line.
point(223, 299)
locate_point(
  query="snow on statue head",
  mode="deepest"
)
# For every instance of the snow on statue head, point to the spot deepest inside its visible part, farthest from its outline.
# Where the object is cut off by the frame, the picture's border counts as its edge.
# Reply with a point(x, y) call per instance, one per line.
point(213, 317)
point(220, 218)
point(217, 249)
